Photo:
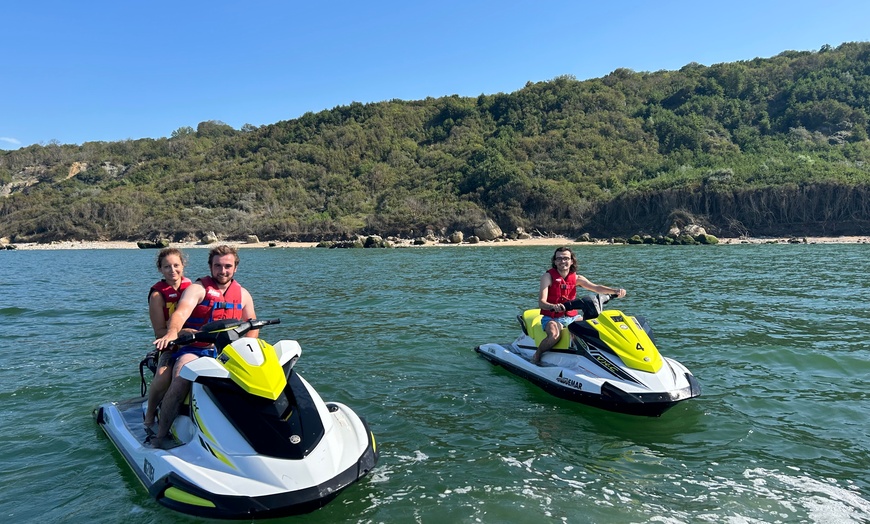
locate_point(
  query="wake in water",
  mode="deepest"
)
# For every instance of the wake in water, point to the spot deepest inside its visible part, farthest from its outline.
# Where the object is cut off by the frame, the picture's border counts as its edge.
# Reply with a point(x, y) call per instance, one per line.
point(761, 496)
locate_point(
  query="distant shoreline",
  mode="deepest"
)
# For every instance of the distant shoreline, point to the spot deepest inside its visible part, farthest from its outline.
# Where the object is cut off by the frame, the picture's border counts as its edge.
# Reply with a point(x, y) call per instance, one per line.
point(537, 241)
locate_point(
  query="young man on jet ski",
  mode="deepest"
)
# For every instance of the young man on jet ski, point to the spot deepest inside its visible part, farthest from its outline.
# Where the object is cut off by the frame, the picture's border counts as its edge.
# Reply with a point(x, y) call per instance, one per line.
point(558, 286)
point(209, 298)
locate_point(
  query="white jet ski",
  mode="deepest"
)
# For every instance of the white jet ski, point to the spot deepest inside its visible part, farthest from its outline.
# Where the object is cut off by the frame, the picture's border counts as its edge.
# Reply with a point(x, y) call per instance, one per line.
point(254, 440)
point(608, 360)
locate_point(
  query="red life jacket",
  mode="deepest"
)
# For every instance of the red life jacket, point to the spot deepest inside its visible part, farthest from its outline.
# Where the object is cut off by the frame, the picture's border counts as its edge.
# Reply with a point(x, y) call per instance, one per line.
point(561, 290)
point(170, 295)
point(216, 305)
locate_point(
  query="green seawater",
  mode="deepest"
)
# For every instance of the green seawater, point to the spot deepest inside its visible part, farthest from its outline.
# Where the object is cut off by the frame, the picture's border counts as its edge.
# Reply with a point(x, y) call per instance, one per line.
point(778, 335)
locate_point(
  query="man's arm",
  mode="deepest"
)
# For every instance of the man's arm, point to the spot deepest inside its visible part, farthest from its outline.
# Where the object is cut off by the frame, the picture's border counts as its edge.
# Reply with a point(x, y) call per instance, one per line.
point(248, 312)
point(192, 296)
point(546, 280)
point(596, 288)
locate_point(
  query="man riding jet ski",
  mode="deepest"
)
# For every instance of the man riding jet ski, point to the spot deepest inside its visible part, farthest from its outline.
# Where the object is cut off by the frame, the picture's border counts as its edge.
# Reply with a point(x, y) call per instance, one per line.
point(608, 360)
point(256, 439)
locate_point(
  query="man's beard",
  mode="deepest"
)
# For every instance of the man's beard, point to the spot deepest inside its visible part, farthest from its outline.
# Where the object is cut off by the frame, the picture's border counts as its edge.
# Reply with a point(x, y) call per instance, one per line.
point(221, 279)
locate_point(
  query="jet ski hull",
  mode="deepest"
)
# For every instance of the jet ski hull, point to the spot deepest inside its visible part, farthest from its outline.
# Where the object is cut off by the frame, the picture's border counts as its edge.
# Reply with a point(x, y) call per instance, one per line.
point(253, 439)
point(581, 377)
point(197, 479)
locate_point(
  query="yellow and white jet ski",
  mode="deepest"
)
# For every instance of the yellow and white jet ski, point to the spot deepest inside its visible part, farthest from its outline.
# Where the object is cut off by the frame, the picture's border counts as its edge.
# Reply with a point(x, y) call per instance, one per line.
point(256, 439)
point(608, 360)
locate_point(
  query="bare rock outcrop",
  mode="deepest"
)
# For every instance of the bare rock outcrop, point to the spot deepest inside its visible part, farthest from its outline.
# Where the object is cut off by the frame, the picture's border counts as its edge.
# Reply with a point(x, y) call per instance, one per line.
point(489, 230)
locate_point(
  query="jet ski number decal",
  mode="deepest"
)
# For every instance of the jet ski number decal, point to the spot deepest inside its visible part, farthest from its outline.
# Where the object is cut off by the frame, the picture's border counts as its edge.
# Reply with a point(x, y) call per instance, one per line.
point(149, 470)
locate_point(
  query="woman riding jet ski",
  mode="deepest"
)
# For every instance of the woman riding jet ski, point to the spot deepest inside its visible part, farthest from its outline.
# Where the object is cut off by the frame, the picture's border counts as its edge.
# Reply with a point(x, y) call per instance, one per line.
point(256, 441)
point(608, 360)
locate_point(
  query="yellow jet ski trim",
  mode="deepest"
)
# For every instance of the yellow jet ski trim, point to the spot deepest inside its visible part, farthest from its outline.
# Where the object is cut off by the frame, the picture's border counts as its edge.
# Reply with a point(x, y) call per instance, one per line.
point(184, 497)
point(532, 319)
point(201, 425)
point(628, 340)
point(266, 380)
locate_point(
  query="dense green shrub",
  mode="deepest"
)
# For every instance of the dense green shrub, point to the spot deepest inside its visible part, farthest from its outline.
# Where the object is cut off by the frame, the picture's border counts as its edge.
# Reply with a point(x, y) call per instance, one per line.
point(745, 147)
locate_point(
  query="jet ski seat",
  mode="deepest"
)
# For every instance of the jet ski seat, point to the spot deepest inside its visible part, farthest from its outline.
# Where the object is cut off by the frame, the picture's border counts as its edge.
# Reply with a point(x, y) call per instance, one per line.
point(530, 321)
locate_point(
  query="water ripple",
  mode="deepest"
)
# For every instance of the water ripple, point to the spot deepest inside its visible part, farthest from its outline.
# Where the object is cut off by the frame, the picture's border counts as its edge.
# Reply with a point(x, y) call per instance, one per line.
point(774, 333)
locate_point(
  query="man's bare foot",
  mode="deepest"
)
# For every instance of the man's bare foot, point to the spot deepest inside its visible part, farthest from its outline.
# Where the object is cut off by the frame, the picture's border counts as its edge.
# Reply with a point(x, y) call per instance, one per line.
point(154, 442)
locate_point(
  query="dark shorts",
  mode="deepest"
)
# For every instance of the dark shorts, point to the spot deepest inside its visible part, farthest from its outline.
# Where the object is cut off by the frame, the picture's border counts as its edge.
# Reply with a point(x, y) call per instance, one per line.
point(168, 358)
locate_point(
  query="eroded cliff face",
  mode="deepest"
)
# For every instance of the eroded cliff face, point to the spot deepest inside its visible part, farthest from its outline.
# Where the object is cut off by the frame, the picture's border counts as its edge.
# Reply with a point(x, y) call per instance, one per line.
point(813, 209)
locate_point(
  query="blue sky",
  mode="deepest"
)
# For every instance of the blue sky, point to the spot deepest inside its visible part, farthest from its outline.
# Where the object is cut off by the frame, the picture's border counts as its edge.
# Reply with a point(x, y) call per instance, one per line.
point(96, 70)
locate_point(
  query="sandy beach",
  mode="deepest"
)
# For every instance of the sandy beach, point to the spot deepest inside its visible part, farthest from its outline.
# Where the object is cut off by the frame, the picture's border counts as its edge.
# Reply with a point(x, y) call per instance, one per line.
point(535, 241)
point(87, 244)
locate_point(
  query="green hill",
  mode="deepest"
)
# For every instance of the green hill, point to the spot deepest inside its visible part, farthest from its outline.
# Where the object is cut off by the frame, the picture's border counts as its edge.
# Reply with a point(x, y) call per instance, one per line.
point(765, 146)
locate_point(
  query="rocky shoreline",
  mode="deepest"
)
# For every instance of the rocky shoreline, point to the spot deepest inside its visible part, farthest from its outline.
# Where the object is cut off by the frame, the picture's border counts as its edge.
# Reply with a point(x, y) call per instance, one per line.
point(534, 241)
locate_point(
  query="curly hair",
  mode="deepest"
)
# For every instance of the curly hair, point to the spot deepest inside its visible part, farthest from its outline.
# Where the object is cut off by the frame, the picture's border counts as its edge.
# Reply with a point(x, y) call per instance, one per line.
point(573, 268)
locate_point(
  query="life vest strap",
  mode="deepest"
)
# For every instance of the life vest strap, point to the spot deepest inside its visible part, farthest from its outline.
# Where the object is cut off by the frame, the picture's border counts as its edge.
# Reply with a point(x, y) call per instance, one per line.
point(226, 305)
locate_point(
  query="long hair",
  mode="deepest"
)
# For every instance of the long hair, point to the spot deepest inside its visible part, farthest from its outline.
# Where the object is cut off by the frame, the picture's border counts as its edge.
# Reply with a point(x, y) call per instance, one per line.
point(563, 249)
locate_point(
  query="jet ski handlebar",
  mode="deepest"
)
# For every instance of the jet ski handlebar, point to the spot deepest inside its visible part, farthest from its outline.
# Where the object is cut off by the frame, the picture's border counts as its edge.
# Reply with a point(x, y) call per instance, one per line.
point(590, 305)
point(222, 332)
